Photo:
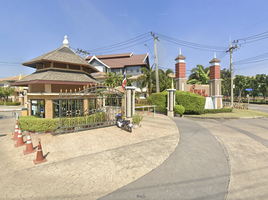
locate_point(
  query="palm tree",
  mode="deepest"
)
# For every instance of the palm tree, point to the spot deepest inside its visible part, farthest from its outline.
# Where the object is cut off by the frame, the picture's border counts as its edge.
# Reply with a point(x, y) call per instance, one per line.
point(146, 78)
point(199, 75)
point(164, 79)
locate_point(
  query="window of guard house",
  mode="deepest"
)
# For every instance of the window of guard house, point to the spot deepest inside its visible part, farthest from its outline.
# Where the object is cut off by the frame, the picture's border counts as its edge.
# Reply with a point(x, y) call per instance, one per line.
point(38, 108)
point(70, 108)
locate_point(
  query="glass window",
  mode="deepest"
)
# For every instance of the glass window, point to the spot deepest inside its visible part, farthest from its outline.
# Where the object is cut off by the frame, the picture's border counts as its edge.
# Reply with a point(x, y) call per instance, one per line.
point(138, 70)
point(38, 108)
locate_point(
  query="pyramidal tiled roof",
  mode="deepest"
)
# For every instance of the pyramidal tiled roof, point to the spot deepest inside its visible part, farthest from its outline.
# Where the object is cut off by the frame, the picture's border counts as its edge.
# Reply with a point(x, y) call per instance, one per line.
point(214, 60)
point(180, 56)
point(58, 76)
point(62, 54)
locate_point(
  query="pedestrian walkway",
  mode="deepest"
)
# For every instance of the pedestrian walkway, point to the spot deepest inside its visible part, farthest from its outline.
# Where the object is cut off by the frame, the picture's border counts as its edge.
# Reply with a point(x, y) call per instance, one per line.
point(197, 169)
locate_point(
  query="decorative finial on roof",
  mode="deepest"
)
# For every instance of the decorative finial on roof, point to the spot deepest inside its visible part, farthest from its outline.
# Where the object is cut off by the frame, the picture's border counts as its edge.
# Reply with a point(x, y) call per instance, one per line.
point(214, 54)
point(65, 41)
point(180, 50)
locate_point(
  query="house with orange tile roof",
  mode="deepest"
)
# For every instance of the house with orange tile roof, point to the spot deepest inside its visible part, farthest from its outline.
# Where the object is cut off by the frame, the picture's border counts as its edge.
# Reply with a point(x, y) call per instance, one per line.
point(6, 82)
point(119, 63)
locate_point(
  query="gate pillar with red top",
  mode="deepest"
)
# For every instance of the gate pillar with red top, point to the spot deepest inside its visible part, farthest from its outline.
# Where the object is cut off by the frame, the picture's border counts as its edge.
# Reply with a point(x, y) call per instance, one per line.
point(180, 72)
point(215, 83)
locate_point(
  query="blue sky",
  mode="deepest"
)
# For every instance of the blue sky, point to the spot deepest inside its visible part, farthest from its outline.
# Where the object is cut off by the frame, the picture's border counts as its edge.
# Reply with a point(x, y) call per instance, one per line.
point(32, 28)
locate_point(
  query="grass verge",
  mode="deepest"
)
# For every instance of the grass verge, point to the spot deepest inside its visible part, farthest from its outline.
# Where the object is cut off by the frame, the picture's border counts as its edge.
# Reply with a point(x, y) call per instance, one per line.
point(236, 113)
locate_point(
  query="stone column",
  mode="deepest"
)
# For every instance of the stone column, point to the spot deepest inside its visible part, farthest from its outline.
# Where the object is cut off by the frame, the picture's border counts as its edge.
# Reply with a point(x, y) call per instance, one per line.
point(215, 83)
point(170, 102)
point(180, 71)
point(129, 102)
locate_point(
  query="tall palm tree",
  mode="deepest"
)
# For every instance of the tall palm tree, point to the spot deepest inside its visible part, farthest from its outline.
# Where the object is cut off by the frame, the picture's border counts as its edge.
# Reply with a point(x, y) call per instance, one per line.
point(146, 78)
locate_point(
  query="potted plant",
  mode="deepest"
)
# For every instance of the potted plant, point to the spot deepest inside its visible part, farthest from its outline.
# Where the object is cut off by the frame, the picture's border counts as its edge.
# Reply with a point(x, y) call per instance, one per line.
point(136, 119)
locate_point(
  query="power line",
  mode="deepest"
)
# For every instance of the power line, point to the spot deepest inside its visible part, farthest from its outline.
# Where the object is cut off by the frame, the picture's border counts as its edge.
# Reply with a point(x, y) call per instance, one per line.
point(191, 44)
point(140, 37)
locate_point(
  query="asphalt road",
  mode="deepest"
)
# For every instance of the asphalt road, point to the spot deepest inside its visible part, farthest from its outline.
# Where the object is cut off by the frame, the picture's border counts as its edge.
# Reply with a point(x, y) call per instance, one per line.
point(262, 108)
point(197, 169)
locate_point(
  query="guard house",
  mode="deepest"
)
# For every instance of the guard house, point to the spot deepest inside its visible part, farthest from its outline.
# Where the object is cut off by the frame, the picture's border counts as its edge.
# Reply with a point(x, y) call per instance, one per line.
point(60, 70)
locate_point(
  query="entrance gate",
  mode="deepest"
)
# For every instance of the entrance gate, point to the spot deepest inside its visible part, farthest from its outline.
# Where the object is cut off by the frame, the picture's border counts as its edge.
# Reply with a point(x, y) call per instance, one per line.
point(94, 107)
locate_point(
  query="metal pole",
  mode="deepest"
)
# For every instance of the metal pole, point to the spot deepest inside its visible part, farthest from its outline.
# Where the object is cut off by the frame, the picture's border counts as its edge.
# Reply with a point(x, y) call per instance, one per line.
point(156, 67)
point(231, 69)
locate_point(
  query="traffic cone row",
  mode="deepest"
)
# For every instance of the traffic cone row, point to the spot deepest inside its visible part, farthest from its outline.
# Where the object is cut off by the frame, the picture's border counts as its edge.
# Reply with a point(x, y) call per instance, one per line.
point(16, 131)
point(29, 145)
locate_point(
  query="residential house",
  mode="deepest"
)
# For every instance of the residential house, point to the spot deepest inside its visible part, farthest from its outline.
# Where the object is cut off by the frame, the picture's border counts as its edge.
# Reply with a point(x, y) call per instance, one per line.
point(119, 63)
point(6, 82)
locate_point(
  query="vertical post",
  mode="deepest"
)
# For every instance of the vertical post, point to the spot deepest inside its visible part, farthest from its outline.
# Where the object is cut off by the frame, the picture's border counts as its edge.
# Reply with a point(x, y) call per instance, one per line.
point(129, 102)
point(231, 69)
point(171, 102)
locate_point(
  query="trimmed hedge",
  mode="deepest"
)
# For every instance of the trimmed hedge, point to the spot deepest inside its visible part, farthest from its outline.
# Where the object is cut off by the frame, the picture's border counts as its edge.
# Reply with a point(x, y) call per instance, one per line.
point(179, 109)
point(10, 103)
point(193, 103)
point(160, 100)
point(222, 110)
point(34, 124)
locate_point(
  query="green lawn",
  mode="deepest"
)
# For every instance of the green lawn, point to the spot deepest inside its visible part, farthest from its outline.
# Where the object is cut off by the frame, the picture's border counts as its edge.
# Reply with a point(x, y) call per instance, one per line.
point(235, 113)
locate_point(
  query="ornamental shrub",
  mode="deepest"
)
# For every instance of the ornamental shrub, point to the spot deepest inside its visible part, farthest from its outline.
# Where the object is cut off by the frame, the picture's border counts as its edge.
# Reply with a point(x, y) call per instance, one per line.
point(160, 100)
point(32, 123)
point(179, 109)
point(136, 118)
point(222, 110)
point(193, 103)
point(10, 103)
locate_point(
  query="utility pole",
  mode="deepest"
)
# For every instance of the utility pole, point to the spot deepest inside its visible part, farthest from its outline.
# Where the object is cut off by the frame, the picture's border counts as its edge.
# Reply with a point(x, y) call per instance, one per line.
point(81, 51)
point(231, 70)
point(156, 63)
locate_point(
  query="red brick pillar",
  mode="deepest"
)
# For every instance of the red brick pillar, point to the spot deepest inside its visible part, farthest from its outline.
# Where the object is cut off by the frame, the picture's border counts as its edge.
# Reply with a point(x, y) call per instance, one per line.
point(180, 72)
point(215, 83)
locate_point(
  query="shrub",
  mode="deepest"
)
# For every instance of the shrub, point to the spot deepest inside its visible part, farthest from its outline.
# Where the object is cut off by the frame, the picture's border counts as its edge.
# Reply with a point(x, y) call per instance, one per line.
point(136, 118)
point(160, 100)
point(31, 123)
point(222, 110)
point(10, 103)
point(179, 109)
point(193, 103)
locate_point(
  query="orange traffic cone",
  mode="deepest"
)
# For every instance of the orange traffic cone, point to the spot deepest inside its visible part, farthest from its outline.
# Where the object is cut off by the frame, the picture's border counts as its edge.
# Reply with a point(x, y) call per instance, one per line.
point(19, 140)
point(16, 131)
point(39, 156)
point(29, 146)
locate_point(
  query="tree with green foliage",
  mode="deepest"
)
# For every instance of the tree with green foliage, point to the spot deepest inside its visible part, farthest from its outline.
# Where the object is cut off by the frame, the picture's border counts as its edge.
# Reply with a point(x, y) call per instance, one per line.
point(226, 82)
point(165, 82)
point(240, 82)
point(6, 92)
point(199, 75)
point(146, 78)
point(262, 81)
point(115, 80)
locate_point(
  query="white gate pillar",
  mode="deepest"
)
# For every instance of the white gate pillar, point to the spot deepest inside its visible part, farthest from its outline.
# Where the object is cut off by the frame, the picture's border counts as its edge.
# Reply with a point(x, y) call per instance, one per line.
point(170, 102)
point(129, 102)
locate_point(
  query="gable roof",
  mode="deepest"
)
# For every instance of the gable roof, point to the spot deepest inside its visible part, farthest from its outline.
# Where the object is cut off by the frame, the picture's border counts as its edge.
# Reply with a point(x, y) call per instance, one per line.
point(62, 54)
point(121, 60)
point(13, 78)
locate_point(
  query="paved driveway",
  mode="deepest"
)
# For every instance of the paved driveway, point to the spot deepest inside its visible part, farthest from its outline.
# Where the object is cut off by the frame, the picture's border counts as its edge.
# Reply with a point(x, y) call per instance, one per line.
point(215, 159)
point(262, 108)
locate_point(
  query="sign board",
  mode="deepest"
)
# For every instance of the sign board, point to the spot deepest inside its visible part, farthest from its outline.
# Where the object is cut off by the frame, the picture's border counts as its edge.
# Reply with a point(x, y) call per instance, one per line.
point(249, 89)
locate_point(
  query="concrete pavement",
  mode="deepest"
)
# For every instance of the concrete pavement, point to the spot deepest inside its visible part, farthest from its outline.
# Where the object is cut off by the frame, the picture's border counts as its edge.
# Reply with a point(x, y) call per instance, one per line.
point(85, 165)
point(245, 141)
point(258, 107)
